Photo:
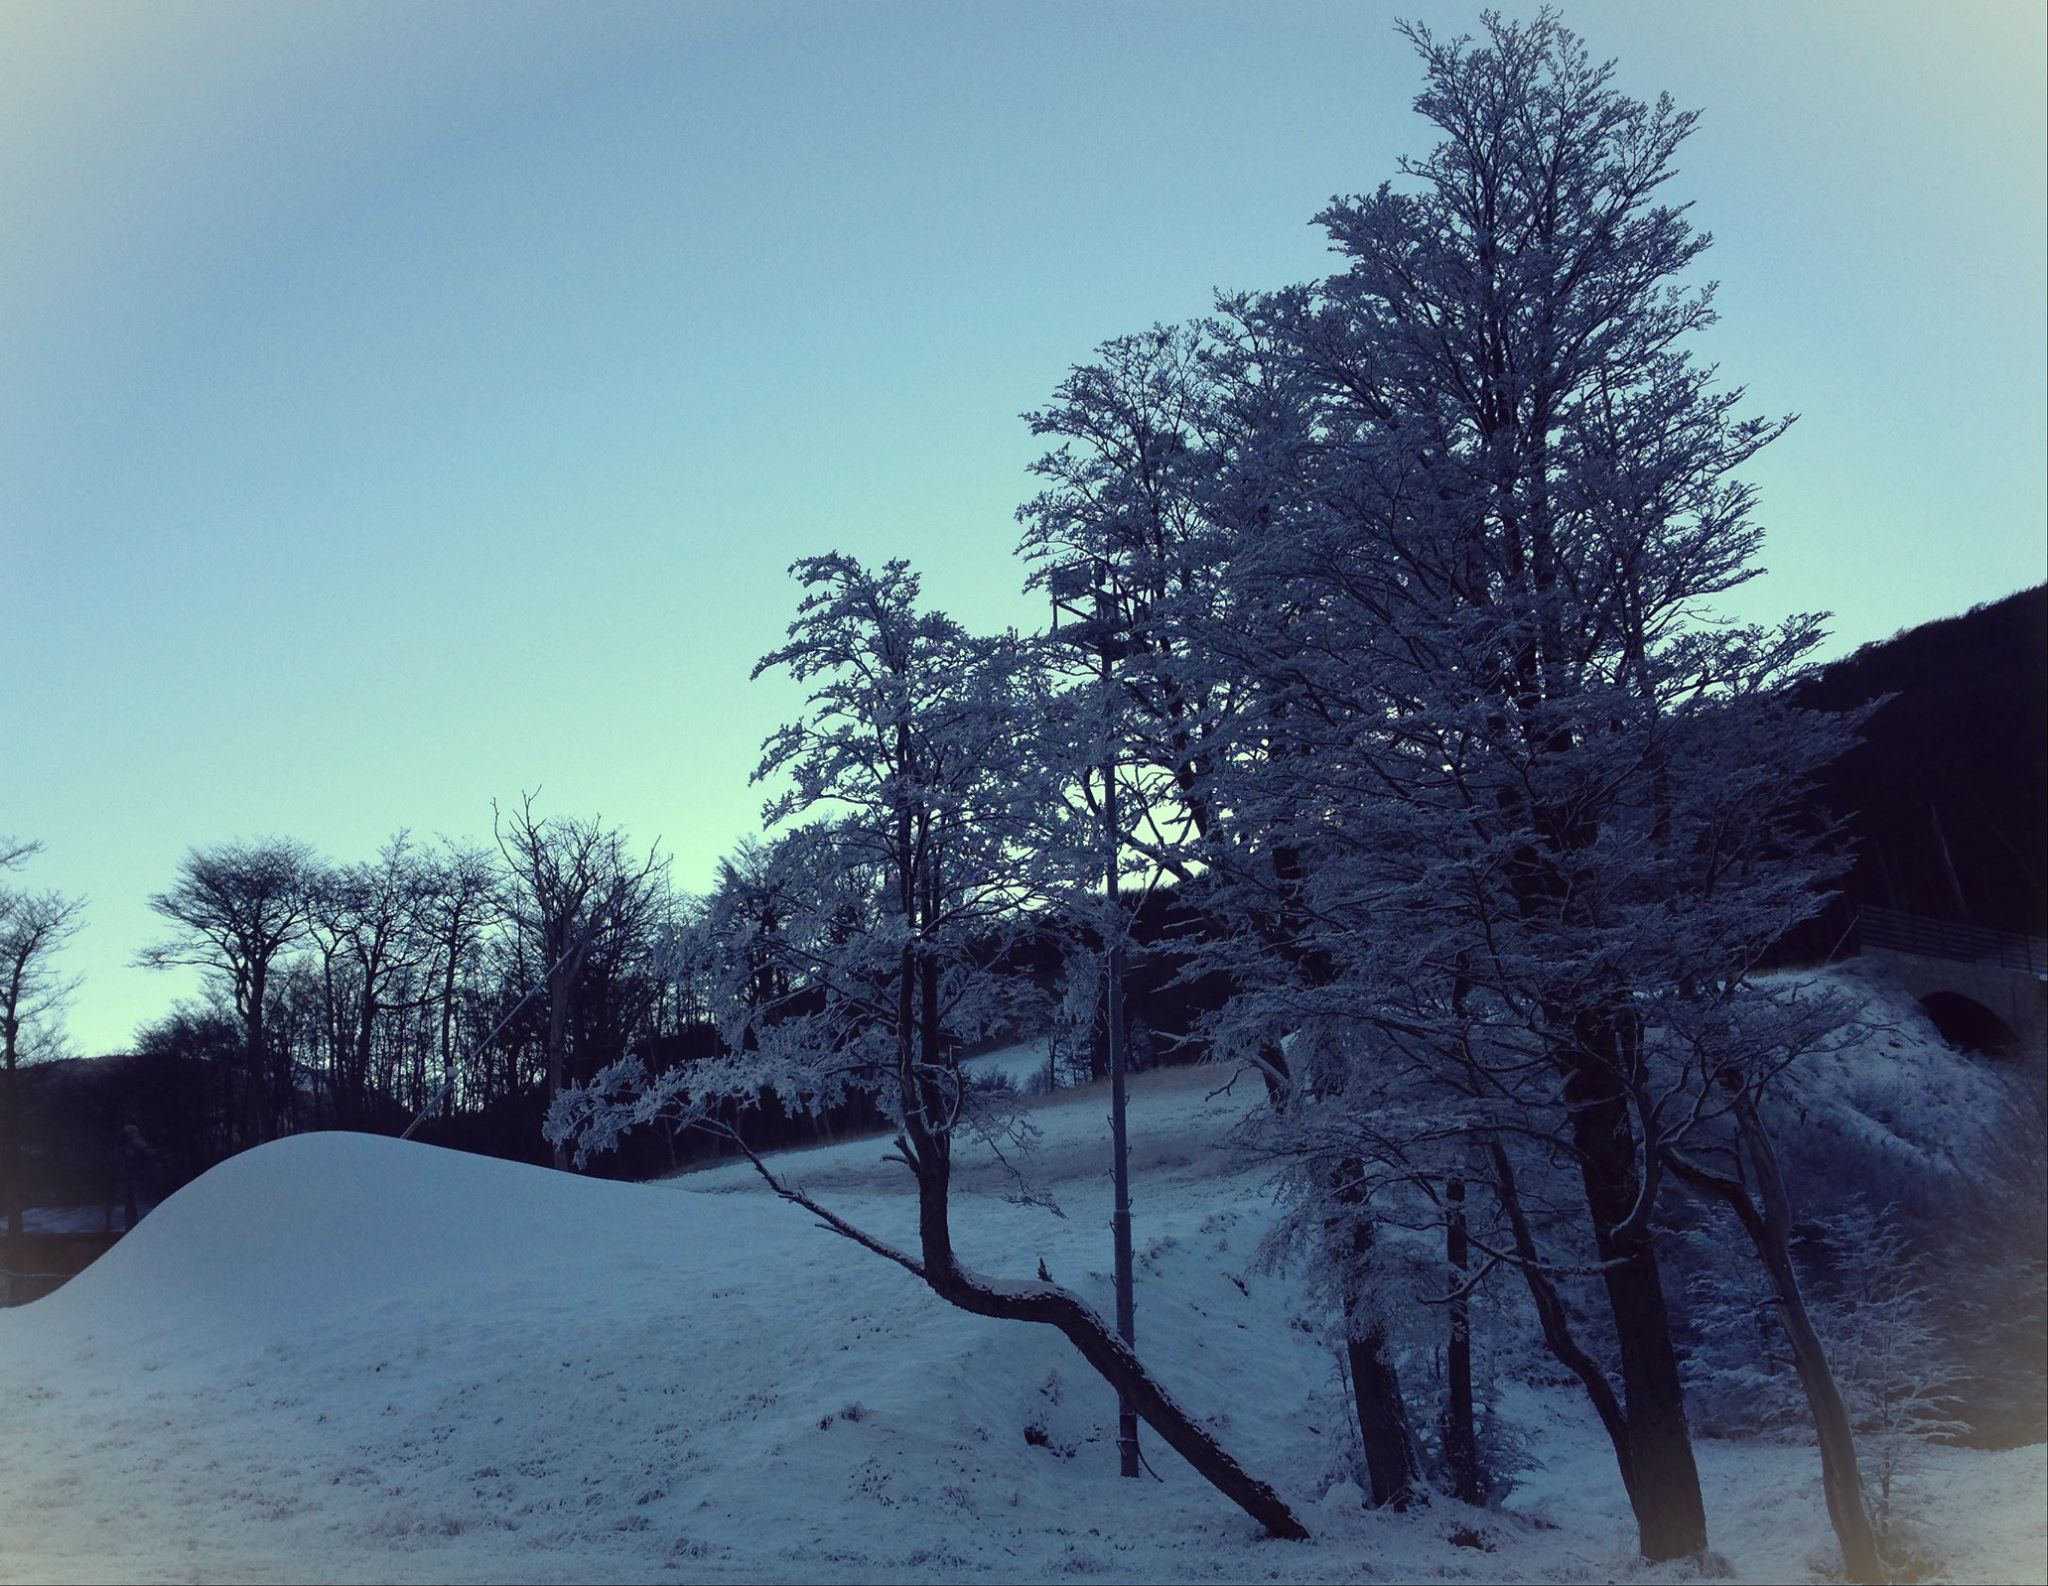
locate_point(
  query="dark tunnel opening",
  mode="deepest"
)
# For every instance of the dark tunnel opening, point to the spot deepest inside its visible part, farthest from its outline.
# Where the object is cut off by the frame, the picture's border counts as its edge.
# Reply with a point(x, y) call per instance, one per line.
point(1968, 1026)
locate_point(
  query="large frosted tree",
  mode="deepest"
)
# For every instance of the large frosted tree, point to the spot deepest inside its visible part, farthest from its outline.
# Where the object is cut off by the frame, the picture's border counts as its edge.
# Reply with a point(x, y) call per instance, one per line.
point(1495, 780)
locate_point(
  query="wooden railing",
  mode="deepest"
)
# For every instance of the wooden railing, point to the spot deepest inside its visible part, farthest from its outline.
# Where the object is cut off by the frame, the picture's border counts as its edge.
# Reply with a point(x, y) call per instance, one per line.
point(1888, 930)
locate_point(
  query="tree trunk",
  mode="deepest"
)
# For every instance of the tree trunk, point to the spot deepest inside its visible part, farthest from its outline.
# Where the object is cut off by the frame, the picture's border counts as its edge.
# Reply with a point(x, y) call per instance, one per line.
point(1555, 1325)
point(1770, 1230)
point(558, 1028)
point(448, 1038)
point(1052, 1306)
point(1839, 1476)
point(1461, 1434)
point(1671, 1516)
point(1115, 1033)
point(1392, 1470)
point(258, 1075)
point(1390, 1466)
point(16, 1192)
point(926, 1143)
point(365, 1040)
point(1120, 1367)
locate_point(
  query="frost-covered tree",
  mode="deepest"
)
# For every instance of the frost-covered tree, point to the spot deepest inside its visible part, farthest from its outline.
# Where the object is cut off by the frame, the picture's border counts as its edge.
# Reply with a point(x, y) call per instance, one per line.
point(894, 901)
point(1736, 1043)
point(1166, 444)
point(1125, 515)
point(1518, 796)
point(1851, 1344)
point(1898, 1377)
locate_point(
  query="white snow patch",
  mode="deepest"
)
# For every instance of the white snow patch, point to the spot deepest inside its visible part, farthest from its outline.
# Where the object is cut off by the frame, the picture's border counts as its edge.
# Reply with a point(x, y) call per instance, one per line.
point(1022, 1064)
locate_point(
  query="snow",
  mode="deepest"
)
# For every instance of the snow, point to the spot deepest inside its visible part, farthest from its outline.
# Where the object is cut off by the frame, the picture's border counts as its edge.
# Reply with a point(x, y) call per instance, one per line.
point(341, 1357)
point(1022, 1064)
point(1898, 1093)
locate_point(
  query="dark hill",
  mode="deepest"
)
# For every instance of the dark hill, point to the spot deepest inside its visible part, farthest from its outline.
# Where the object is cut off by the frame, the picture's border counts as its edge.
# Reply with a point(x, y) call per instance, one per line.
point(1946, 797)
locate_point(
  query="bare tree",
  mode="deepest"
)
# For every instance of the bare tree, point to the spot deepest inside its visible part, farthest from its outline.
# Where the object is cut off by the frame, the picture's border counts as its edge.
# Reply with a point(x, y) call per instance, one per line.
point(34, 926)
point(363, 917)
point(570, 884)
point(236, 908)
point(458, 898)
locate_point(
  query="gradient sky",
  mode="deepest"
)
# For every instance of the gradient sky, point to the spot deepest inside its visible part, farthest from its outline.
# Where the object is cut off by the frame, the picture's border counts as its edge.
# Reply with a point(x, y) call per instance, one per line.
point(404, 405)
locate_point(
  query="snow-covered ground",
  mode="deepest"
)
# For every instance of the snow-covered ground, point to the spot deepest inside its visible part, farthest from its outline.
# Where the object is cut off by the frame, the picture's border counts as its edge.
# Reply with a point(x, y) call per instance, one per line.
point(345, 1358)
point(1022, 1064)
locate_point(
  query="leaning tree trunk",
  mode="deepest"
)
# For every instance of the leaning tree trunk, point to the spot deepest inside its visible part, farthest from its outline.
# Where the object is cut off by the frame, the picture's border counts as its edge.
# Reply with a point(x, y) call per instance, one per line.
point(1112, 1358)
point(926, 1144)
point(1390, 1466)
point(1053, 1306)
point(1768, 1221)
point(1554, 1323)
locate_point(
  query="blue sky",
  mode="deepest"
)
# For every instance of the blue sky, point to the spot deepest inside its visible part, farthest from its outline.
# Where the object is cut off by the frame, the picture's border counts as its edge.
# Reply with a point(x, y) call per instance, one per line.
point(401, 406)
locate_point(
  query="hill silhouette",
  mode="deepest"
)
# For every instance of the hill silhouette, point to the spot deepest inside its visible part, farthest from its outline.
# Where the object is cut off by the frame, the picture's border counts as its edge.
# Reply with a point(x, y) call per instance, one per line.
point(1943, 799)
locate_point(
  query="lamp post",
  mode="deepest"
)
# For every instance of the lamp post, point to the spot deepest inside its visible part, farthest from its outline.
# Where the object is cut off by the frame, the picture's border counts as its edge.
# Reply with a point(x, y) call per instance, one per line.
point(1102, 631)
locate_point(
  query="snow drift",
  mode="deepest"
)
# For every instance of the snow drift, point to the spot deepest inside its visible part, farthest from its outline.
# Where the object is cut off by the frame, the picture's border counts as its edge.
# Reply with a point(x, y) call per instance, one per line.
point(342, 1357)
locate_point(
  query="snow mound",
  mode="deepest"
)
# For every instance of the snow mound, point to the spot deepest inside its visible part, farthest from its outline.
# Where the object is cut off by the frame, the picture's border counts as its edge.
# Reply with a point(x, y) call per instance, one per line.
point(346, 1358)
point(292, 1235)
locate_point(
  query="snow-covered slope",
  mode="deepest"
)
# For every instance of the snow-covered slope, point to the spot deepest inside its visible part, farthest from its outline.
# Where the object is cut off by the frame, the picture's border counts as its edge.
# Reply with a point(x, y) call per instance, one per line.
point(341, 1357)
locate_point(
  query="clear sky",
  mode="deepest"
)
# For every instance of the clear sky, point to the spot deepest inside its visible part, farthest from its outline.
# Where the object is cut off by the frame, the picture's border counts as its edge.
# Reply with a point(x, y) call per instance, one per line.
point(403, 405)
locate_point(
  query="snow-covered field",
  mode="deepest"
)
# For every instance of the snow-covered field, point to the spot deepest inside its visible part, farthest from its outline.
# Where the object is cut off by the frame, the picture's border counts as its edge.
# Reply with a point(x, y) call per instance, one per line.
point(345, 1358)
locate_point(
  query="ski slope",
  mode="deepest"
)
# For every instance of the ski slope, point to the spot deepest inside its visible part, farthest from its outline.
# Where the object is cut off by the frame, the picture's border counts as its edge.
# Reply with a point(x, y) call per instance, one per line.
point(341, 1357)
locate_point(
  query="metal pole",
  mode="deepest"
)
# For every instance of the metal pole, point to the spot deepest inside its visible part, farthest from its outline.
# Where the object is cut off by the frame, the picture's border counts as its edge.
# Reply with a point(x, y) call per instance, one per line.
point(1120, 1221)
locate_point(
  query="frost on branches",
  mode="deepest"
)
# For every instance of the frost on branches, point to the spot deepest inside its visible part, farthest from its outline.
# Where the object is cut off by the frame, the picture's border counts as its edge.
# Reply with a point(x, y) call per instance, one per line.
point(1506, 813)
point(895, 903)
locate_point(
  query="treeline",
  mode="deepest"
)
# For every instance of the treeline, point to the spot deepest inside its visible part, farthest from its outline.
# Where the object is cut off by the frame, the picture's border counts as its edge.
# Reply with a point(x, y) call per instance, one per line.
point(452, 989)
point(449, 988)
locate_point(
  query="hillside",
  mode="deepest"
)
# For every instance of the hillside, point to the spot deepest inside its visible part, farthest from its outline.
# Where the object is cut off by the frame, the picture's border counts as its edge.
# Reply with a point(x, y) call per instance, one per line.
point(340, 1357)
point(1944, 796)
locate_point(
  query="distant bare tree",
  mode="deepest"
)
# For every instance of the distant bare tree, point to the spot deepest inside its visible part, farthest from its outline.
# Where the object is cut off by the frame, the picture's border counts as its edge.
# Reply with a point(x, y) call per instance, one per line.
point(363, 917)
point(571, 885)
point(236, 908)
point(458, 899)
point(34, 926)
